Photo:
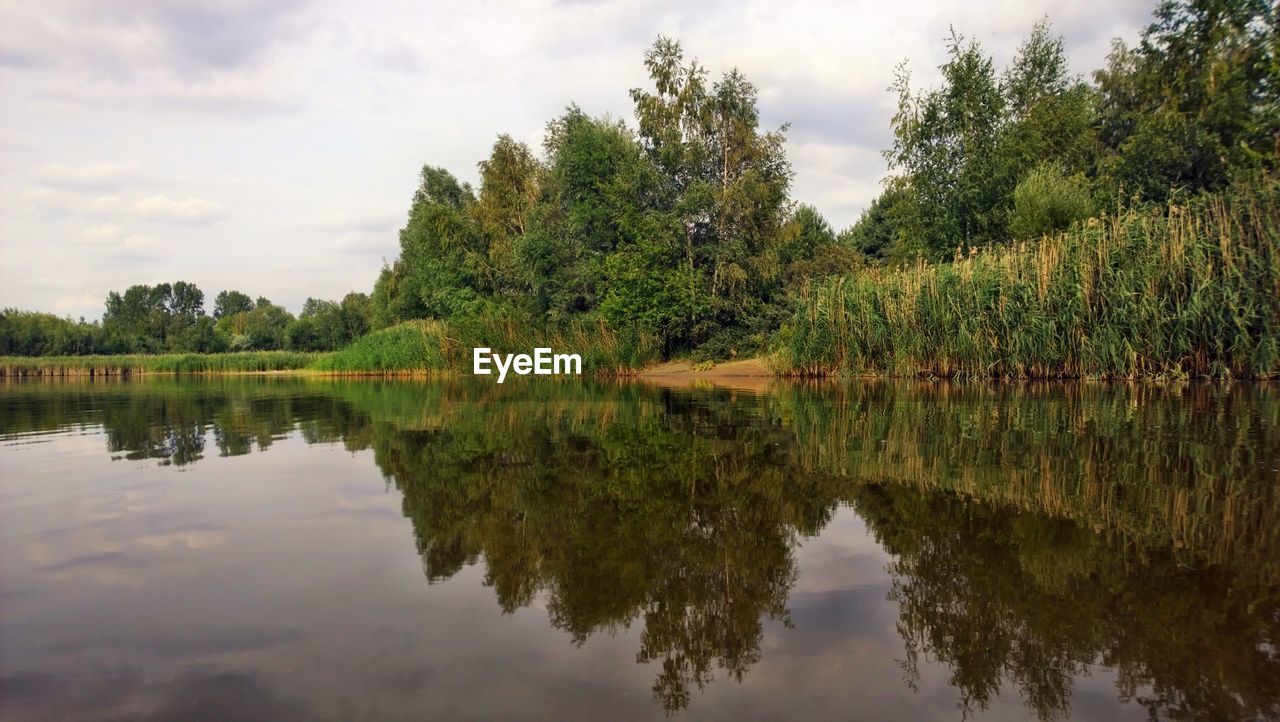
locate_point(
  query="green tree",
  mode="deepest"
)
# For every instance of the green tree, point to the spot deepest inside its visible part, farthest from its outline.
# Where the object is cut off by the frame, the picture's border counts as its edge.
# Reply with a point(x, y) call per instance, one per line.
point(433, 276)
point(876, 233)
point(152, 319)
point(1196, 102)
point(228, 303)
point(30, 333)
point(810, 250)
point(725, 186)
point(945, 143)
point(265, 328)
point(503, 212)
point(1050, 115)
point(597, 200)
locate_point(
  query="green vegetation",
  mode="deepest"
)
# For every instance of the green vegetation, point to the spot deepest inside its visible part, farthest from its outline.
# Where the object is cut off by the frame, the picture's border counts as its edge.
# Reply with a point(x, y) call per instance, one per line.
point(682, 232)
point(1192, 108)
point(410, 346)
point(432, 346)
point(1191, 291)
point(677, 234)
point(132, 364)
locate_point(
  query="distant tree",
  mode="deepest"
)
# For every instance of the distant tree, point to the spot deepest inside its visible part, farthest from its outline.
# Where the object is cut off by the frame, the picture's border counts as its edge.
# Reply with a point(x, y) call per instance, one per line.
point(228, 303)
point(356, 313)
point(328, 325)
point(29, 333)
point(203, 337)
point(810, 249)
point(876, 233)
point(152, 319)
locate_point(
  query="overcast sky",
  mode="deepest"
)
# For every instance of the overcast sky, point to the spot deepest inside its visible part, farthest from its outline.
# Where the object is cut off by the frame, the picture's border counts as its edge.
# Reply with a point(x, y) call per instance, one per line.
point(273, 146)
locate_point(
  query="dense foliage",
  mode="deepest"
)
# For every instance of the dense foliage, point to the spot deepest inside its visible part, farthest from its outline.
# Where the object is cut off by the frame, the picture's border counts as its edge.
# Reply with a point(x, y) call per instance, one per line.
point(989, 157)
point(682, 231)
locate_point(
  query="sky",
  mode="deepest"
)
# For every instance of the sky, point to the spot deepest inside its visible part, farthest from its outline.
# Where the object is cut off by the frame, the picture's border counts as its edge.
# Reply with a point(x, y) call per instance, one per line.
point(273, 146)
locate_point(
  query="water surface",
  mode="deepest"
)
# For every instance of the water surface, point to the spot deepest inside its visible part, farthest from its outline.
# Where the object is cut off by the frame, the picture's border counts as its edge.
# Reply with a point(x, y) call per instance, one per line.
point(292, 549)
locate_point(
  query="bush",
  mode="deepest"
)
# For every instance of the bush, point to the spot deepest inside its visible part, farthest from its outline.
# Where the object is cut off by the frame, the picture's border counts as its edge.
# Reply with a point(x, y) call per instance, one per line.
point(1046, 201)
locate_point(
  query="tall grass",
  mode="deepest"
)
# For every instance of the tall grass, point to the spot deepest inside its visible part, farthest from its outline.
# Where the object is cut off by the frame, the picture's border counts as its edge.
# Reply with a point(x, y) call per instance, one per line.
point(434, 346)
point(604, 350)
point(1187, 290)
point(413, 346)
point(127, 365)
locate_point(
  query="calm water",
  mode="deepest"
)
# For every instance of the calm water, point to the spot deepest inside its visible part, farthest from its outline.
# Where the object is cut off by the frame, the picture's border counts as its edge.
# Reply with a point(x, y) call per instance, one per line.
point(265, 549)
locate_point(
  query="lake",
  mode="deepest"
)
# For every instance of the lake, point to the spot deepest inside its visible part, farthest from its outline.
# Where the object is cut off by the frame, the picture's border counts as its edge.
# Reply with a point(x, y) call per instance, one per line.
point(293, 549)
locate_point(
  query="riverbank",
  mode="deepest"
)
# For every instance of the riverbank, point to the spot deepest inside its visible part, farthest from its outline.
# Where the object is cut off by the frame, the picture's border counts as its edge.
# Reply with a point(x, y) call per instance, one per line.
point(323, 364)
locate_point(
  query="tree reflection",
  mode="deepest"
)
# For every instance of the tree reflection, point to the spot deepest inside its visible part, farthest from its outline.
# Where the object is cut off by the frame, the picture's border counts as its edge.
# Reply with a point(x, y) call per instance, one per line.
point(660, 510)
point(1004, 596)
point(1036, 532)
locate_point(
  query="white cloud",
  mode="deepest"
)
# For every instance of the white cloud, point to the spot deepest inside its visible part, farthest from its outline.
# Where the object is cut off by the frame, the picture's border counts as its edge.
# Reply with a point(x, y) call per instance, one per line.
point(97, 176)
point(196, 211)
point(143, 243)
point(101, 234)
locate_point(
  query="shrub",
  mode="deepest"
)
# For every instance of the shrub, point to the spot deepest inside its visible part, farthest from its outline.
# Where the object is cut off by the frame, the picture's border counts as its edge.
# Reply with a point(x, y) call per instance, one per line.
point(1046, 201)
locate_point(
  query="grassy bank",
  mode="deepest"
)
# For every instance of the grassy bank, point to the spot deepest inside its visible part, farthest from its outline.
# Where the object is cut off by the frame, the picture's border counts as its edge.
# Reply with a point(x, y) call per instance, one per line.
point(1188, 290)
point(412, 347)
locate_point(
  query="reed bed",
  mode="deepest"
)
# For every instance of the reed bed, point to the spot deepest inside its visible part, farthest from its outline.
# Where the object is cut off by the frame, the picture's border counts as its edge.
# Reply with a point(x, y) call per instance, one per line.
point(409, 347)
point(137, 364)
point(1182, 291)
point(604, 350)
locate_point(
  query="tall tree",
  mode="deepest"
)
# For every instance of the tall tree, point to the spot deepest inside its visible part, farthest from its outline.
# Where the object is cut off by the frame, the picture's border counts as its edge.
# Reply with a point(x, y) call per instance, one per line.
point(726, 186)
point(1197, 101)
point(945, 143)
point(504, 209)
point(229, 302)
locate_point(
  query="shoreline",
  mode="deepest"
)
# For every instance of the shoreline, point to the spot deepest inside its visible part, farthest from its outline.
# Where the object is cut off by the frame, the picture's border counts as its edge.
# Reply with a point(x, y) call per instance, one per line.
point(749, 373)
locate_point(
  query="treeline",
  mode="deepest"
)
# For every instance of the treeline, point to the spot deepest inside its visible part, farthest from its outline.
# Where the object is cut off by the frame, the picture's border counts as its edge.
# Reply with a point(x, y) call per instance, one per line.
point(171, 318)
